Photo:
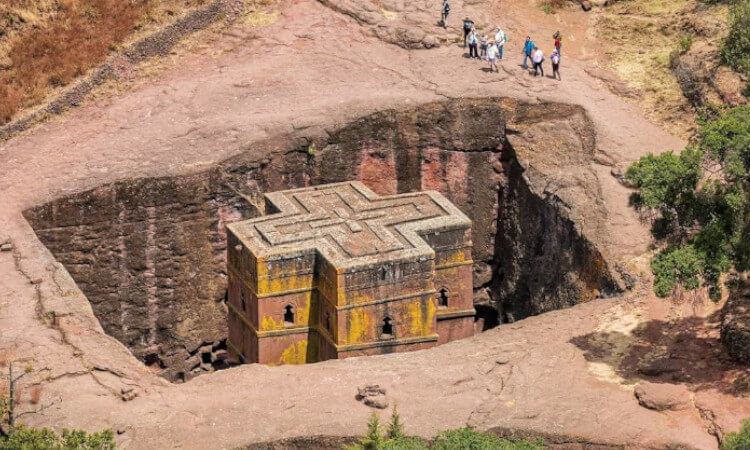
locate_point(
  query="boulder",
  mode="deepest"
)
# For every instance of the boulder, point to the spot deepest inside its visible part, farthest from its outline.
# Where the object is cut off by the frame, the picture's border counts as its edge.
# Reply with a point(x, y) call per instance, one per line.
point(372, 395)
point(662, 396)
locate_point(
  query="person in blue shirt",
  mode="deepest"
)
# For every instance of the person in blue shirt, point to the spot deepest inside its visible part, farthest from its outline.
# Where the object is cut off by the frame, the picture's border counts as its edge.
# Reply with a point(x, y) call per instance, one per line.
point(528, 47)
point(473, 44)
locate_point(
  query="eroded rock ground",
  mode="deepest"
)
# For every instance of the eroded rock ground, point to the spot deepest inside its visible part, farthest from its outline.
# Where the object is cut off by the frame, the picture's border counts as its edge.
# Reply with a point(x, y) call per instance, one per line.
point(568, 374)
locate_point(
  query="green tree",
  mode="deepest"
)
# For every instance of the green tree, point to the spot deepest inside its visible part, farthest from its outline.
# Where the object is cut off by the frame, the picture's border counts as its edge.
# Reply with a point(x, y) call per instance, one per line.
point(739, 440)
point(700, 204)
point(395, 427)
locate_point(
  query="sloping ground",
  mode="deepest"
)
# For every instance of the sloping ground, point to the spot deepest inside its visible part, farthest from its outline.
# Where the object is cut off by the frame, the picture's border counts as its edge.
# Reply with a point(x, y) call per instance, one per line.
point(666, 52)
point(255, 93)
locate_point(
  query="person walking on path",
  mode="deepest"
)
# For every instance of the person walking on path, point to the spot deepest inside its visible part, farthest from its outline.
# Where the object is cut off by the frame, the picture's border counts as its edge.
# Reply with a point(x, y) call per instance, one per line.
point(445, 12)
point(483, 47)
point(558, 42)
point(500, 39)
point(492, 54)
point(468, 25)
point(555, 60)
point(538, 58)
point(473, 43)
point(528, 47)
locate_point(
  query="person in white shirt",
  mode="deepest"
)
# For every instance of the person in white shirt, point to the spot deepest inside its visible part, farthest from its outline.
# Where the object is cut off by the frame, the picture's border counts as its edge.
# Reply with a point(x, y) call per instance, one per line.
point(492, 56)
point(500, 39)
point(538, 58)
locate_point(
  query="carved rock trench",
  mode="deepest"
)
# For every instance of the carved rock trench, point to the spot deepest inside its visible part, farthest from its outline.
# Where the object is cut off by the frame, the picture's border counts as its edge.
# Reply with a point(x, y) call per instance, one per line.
point(150, 253)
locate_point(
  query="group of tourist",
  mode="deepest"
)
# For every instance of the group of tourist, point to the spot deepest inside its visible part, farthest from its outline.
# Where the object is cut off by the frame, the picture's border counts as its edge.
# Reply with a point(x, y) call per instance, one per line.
point(491, 49)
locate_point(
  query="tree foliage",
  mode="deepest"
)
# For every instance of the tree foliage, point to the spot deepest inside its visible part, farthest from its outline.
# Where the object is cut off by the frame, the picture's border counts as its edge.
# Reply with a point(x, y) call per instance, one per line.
point(700, 204)
point(19, 437)
point(22, 438)
point(739, 440)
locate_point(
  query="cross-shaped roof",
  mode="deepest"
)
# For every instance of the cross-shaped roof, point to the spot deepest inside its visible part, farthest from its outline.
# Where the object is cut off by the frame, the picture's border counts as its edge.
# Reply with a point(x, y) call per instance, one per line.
point(349, 224)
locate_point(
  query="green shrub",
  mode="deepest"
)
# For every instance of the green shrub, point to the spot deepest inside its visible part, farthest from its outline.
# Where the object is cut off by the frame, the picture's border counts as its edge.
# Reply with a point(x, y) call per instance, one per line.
point(460, 439)
point(739, 440)
point(735, 48)
point(404, 443)
point(22, 438)
point(468, 439)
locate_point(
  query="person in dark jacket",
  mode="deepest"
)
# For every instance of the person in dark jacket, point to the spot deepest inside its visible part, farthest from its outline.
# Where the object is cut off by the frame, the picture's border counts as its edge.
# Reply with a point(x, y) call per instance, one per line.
point(444, 14)
point(468, 25)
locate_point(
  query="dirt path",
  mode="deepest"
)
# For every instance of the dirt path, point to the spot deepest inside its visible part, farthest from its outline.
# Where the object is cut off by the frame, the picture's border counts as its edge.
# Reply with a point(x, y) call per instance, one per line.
point(296, 76)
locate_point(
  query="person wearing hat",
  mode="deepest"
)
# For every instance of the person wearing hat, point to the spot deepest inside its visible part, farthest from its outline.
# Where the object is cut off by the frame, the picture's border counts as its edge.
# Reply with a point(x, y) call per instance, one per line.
point(492, 55)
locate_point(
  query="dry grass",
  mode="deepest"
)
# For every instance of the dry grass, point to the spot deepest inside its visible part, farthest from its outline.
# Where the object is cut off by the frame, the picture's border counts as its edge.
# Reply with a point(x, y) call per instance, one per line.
point(638, 37)
point(45, 44)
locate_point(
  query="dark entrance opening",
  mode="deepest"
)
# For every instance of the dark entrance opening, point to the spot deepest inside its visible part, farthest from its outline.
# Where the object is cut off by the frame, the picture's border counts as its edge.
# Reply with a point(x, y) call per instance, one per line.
point(289, 314)
point(387, 328)
point(487, 315)
point(443, 297)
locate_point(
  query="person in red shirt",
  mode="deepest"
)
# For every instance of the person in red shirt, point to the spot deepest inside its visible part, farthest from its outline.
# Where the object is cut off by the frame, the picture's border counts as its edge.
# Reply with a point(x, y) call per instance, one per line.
point(558, 42)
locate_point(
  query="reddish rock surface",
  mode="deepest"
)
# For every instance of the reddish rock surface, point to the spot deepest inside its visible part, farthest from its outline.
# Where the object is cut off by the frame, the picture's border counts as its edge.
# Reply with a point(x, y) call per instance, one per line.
point(662, 396)
point(565, 373)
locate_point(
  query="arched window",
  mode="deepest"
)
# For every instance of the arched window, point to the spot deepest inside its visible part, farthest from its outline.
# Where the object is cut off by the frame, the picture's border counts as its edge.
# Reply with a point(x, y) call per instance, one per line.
point(443, 297)
point(242, 300)
point(382, 273)
point(387, 330)
point(289, 314)
point(329, 326)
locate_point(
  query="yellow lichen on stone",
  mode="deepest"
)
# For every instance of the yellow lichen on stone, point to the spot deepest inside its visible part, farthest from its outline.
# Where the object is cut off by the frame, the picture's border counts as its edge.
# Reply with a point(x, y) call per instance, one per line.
point(283, 284)
point(268, 323)
point(358, 325)
point(303, 317)
point(421, 317)
point(456, 257)
point(415, 317)
point(295, 354)
point(429, 318)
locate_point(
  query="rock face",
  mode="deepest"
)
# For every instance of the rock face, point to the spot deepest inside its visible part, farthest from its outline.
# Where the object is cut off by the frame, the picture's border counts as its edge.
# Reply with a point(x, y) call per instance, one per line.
point(150, 253)
point(735, 327)
point(662, 396)
point(150, 256)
